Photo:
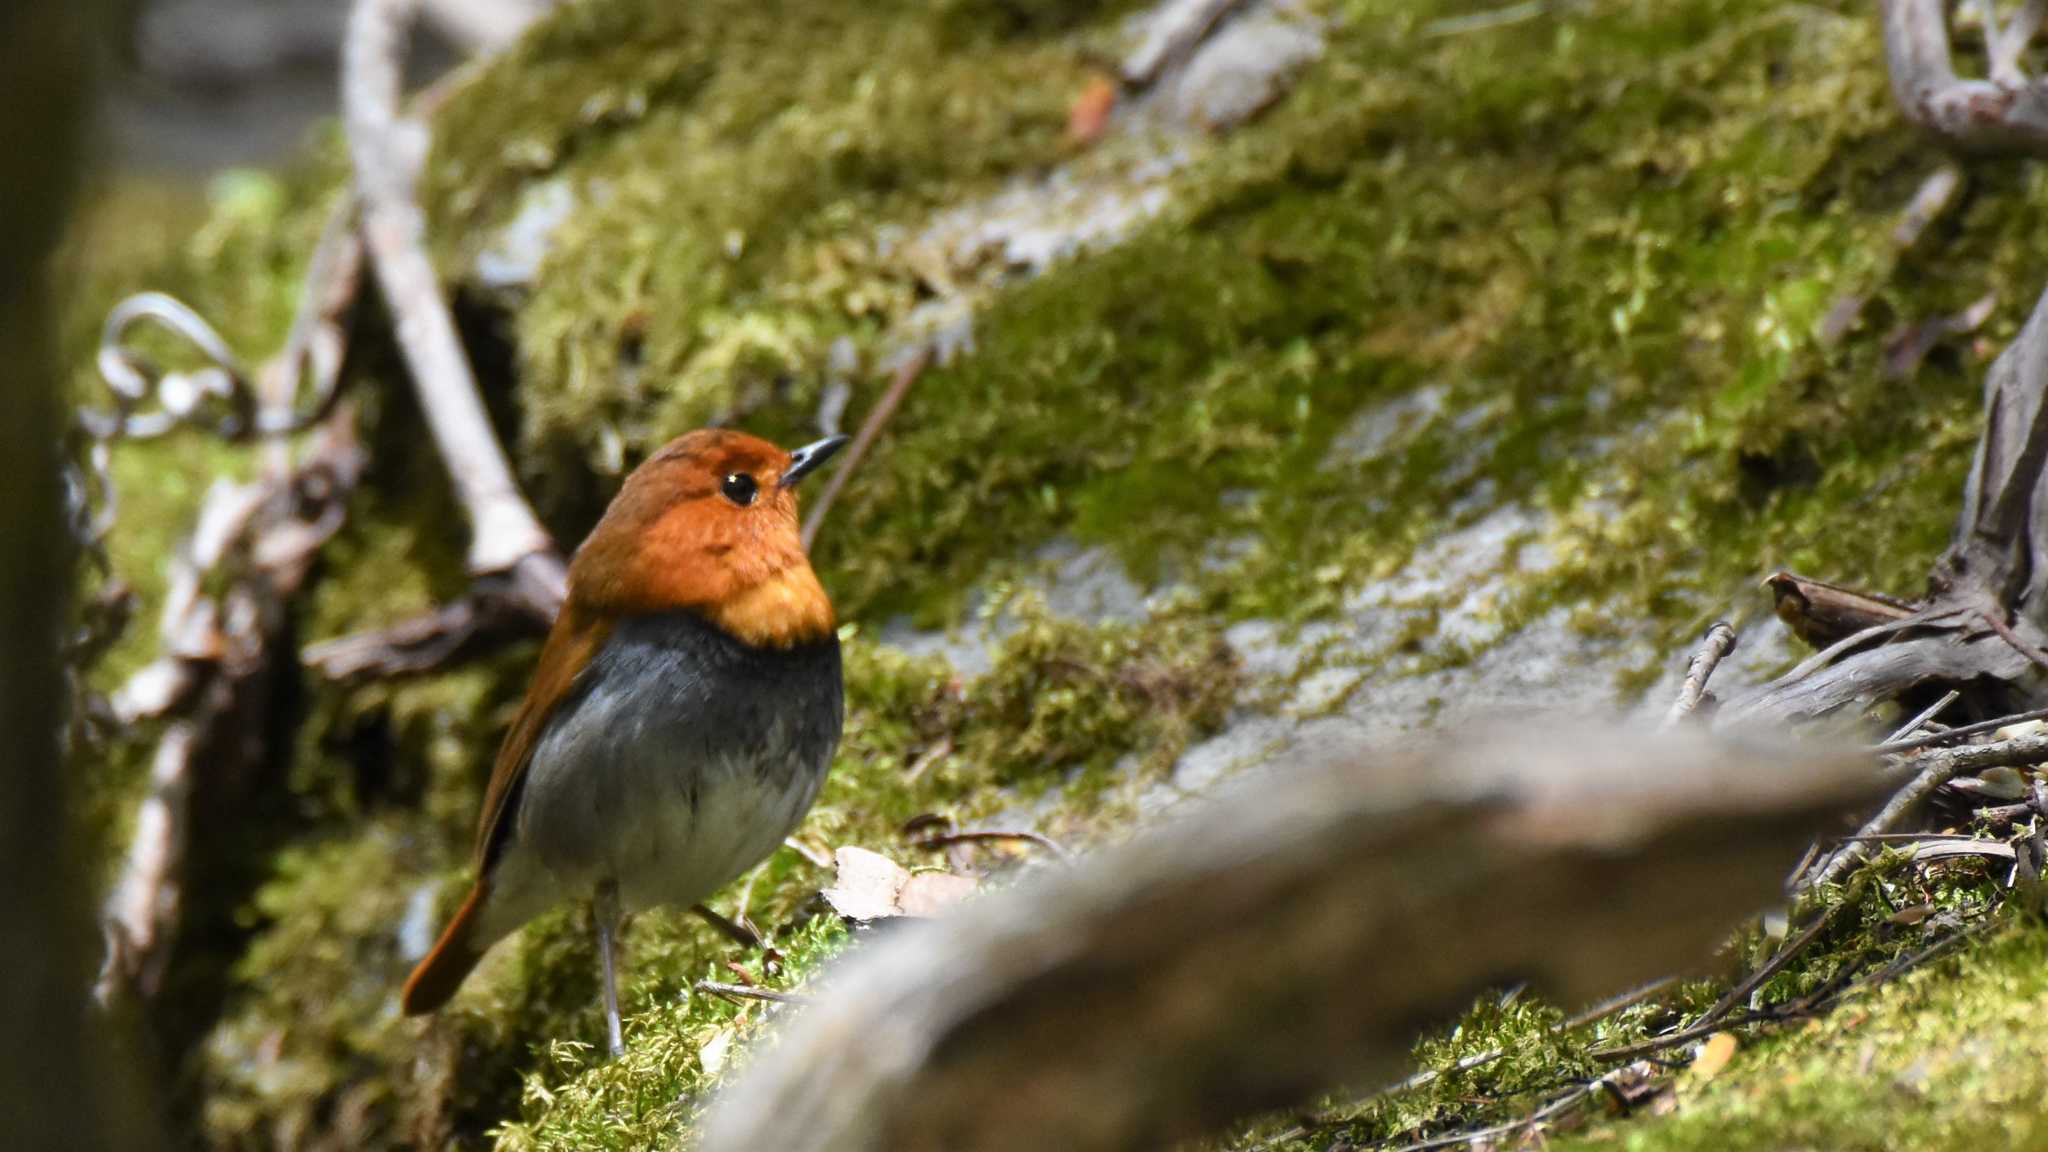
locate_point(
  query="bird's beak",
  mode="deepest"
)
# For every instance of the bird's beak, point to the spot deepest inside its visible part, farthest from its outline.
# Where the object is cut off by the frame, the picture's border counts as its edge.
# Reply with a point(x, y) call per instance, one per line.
point(806, 459)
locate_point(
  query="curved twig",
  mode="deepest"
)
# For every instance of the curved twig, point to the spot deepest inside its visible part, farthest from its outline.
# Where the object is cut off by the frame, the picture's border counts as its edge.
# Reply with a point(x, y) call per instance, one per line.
point(2007, 112)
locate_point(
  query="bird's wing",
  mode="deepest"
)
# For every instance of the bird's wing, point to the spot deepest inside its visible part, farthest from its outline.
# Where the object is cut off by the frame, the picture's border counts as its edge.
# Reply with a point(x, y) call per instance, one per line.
point(572, 644)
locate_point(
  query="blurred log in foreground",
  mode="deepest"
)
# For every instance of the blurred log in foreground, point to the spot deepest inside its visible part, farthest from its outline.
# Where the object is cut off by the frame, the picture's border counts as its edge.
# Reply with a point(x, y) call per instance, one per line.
point(1289, 939)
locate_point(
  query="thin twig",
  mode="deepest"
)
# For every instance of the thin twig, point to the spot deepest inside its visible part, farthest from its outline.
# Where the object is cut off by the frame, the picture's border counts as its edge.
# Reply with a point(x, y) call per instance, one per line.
point(1549, 1111)
point(1929, 201)
point(1939, 767)
point(1428, 1076)
point(1718, 642)
point(1913, 725)
point(1785, 954)
point(2014, 639)
point(980, 835)
point(1960, 734)
point(746, 992)
point(2004, 47)
point(1171, 37)
point(906, 374)
point(732, 930)
point(927, 758)
point(1487, 20)
point(809, 854)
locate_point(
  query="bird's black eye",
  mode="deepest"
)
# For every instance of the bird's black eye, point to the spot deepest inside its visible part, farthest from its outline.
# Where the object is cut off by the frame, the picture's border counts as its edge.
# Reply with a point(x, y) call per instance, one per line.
point(739, 488)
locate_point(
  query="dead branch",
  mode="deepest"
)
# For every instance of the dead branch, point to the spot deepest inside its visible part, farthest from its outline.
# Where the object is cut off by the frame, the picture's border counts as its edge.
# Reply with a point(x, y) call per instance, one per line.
point(1937, 767)
point(224, 649)
point(511, 556)
point(1962, 733)
point(2007, 112)
point(1719, 641)
point(1986, 617)
point(225, 611)
point(1238, 962)
point(1925, 716)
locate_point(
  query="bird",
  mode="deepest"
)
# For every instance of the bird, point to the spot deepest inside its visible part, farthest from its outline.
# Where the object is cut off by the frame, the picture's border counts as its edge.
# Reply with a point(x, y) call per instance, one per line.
point(681, 719)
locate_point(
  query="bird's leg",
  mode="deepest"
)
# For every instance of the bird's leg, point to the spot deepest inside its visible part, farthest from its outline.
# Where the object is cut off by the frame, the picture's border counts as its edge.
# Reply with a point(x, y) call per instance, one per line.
point(604, 909)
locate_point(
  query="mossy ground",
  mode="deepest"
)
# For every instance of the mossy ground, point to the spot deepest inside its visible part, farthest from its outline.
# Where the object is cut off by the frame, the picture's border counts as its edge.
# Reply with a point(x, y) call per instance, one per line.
point(1897, 1053)
point(1602, 239)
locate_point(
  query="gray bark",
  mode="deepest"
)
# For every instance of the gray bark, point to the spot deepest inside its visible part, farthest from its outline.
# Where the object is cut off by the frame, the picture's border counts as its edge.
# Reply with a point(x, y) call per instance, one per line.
point(1287, 942)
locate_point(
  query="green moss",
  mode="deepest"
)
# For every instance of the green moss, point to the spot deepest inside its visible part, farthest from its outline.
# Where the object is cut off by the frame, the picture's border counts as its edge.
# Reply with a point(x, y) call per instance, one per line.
point(1609, 237)
point(681, 1047)
point(735, 167)
point(1946, 1057)
point(297, 1062)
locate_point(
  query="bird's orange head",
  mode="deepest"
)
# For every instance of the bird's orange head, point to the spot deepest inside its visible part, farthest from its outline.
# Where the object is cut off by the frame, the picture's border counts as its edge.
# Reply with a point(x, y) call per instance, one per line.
point(709, 525)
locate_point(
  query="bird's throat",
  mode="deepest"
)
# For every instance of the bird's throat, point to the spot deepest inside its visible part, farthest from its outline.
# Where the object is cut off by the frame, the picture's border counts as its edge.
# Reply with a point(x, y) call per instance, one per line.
point(786, 609)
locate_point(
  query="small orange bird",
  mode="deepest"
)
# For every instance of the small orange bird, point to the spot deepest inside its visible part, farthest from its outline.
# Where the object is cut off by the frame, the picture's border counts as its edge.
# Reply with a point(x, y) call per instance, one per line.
point(683, 715)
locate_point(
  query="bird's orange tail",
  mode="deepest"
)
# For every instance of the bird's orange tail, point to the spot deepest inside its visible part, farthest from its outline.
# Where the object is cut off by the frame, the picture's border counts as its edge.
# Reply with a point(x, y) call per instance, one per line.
point(434, 982)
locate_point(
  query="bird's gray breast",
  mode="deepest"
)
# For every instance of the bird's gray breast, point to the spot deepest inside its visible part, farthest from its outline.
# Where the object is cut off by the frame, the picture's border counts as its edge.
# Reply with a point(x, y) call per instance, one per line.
point(681, 759)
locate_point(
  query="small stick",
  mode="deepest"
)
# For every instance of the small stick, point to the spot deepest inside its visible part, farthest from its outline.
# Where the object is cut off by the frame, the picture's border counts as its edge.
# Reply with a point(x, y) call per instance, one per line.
point(1785, 954)
point(1941, 767)
point(744, 992)
point(1480, 1136)
point(733, 930)
point(1957, 735)
point(1428, 1076)
point(906, 375)
point(929, 757)
point(808, 853)
point(1913, 725)
point(1718, 642)
point(2014, 639)
point(970, 836)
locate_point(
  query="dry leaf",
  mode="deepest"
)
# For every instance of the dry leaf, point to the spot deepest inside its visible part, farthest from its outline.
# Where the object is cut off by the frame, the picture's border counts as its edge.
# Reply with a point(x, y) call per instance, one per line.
point(870, 886)
point(1912, 915)
point(930, 893)
point(1713, 1055)
point(1993, 783)
point(1954, 849)
point(1088, 117)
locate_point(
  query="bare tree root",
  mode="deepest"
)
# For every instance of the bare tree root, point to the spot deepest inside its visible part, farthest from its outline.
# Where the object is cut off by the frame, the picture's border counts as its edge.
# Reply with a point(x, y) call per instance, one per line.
point(225, 618)
point(2006, 112)
point(1982, 627)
